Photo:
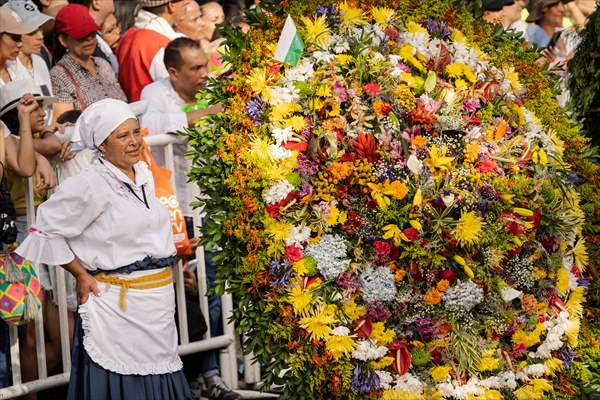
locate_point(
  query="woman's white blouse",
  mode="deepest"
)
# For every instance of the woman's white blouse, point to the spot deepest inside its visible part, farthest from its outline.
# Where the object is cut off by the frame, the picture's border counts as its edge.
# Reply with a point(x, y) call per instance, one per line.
point(95, 217)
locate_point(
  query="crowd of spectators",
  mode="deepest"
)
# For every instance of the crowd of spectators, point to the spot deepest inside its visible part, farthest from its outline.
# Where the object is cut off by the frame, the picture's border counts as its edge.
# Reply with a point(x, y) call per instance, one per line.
point(58, 57)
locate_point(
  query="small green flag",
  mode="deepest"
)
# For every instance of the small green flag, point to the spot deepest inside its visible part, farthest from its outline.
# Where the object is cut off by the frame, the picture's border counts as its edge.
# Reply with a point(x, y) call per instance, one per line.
point(290, 45)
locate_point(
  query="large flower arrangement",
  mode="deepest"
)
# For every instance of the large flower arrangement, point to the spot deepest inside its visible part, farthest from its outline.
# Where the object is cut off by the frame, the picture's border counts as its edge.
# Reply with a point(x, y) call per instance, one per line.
point(396, 214)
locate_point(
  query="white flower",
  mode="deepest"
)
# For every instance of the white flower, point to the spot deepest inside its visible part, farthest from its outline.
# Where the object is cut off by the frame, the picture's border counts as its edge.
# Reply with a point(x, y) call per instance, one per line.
point(302, 72)
point(278, 191)
point(534, 370)
point(453, 389)
point(505, 380)
point(297, 235)
point(282, 135)
point(385, 379)
point(556, 329)
point(367, 350)
point(278, 153)
point(287, 94)
point(409, 383)
point(323, 56)
point(509, 294)
point(341, 331)
point(414, 164)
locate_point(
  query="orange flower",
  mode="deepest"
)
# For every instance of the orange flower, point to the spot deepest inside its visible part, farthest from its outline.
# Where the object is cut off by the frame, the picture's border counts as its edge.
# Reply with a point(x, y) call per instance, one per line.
point(419, 141)
point(443, 285)
point(399, 275)
point(433, 296)
point(341, 170)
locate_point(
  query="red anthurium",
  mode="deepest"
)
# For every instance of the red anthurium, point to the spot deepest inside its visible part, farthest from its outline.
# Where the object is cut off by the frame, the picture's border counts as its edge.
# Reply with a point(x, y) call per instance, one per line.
point(362, 327)
point(402, 360)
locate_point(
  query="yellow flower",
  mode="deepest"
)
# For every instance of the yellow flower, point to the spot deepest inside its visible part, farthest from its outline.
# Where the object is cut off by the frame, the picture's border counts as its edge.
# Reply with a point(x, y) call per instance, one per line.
point(440, 373)
point(580, 254)
point(562, 280)
point(488, 364)
point(382, 336)
point(415, 28)
point(458, 36)
point(340, 346)
point(333, 216)
point(437, 159)
point(277, 230)
point(317, 31)
point(299, 298)
point(468, 229)
point(553, 365)
point(300, 268)
point(472, 152)
point(533, 390)
point(382, 16)
point(575, 302)
point(396, 189)
point(513, 77)
point(489, 394)
point(407, 54)
point(354, 311)
point(297, 123)
point(381, 363)
point(351, 16)
point(392, 231)
point(281, 110)
point(344, 59)
point(257, 80)
point(318, 322)
point(572, 332)
point(418, 199)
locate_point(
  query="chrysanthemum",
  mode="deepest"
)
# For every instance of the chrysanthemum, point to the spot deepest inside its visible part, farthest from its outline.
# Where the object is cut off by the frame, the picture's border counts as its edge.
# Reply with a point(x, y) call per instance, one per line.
point(318, 323)
point(340, 344)
point(468, 229)
point(317, 31)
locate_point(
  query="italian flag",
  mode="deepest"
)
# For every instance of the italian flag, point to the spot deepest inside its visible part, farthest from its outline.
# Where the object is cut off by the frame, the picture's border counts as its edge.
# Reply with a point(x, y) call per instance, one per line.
point(290, 45)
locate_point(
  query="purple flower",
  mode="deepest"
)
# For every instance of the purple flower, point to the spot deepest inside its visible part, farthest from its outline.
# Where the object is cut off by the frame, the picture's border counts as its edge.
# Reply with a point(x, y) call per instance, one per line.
point(282, 270)
point(471, 106)
point(255, 108)
point(377, 312)
point(305, 166)
point(488, 192)
point(425, 328)
point(306, 133)
point(364, 381)
point(439, 29)
point(567, 355)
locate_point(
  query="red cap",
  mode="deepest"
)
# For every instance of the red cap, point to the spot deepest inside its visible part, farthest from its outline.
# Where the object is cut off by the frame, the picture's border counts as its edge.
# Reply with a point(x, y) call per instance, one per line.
point(75, 20)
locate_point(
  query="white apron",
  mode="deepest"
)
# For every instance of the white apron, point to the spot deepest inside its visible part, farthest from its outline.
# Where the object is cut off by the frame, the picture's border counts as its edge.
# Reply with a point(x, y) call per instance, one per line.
point(140, 340)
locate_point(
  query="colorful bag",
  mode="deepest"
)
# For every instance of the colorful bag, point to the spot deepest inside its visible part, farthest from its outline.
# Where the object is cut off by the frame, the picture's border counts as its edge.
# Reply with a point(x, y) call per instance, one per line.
point(20, 289)
point(166, 196)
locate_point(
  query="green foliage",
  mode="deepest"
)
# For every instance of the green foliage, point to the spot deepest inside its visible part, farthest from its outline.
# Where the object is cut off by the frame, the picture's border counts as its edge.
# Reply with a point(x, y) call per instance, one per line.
point(584, 67)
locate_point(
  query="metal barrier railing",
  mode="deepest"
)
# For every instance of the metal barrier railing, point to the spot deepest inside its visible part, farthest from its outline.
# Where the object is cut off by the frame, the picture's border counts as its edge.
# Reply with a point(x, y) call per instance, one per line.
point(226, 342)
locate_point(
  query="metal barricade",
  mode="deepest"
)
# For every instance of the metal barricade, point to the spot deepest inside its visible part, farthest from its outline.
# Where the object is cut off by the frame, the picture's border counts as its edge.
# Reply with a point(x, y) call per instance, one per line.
point(225, 343)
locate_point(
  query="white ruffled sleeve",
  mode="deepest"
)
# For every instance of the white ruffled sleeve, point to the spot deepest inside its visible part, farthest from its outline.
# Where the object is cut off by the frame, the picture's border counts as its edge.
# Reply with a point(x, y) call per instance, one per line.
point(66, 214)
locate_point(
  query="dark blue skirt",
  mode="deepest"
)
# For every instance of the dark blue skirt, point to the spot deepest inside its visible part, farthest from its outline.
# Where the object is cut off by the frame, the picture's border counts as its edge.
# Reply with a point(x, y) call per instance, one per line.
point(89, 381)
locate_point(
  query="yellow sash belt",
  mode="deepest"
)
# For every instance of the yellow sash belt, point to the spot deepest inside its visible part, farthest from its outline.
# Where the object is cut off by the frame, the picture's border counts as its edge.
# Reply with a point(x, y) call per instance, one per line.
point(162, 278)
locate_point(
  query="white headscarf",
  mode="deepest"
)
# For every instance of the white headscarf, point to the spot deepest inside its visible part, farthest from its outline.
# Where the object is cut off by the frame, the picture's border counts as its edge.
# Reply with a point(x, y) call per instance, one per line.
point(97, 122)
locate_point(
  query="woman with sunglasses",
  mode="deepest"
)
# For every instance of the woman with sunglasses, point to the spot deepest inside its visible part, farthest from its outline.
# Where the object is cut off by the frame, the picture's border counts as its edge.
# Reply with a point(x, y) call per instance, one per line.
point(10, 41)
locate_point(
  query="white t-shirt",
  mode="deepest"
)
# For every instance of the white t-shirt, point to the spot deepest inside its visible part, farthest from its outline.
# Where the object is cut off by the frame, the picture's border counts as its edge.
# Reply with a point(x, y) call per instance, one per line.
point(39, 72)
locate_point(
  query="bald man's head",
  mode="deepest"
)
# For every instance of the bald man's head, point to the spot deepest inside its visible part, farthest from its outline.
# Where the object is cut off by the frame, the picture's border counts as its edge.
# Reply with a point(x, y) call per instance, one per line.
point(212, 12)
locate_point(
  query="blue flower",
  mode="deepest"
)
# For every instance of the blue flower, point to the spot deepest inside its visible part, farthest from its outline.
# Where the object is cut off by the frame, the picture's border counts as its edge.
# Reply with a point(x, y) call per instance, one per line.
point(364, 381)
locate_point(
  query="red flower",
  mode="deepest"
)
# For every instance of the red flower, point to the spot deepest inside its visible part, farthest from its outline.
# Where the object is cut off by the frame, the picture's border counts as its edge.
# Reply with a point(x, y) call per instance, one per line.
point(448, 275)
point(273, 210)
point(273, 69)
point(293, 253)
point(300, 146)
point(411, 233)
point(401, 355)
point(372, 89)
point(437, 355)
point(347, 157)
point(362, 327)
point(392, 33)
point(382, 248)
point(487, 165)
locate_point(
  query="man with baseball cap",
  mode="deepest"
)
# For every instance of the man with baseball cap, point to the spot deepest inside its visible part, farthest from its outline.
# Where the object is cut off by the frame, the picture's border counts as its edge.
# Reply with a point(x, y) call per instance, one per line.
point(140, 52)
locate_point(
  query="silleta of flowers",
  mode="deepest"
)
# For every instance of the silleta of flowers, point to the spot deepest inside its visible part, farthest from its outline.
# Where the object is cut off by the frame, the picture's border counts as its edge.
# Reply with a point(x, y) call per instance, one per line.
point(415, 233)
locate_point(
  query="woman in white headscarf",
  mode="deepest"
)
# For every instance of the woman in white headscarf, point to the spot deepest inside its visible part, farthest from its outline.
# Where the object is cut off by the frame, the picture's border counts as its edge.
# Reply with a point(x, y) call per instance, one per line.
point(106, 227)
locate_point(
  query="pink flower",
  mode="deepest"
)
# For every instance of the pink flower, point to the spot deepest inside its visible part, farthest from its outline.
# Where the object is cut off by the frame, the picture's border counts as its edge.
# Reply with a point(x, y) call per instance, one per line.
point(372, 89)
point(293, 253)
